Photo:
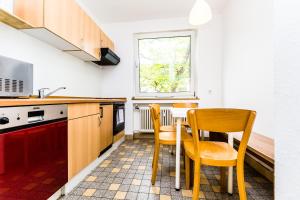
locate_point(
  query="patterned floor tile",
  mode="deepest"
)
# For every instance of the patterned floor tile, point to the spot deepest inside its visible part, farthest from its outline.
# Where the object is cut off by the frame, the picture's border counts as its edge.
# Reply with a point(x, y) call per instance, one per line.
point(120, 195)
point(89, 192)
point(126, 174)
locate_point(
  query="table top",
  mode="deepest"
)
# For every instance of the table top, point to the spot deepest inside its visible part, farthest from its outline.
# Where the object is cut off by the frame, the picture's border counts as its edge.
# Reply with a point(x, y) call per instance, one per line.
point(179, 112)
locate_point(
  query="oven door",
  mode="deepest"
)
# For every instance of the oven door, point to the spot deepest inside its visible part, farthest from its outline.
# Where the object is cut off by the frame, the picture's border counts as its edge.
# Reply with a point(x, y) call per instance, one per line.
point(33, 161)
point(119, 118)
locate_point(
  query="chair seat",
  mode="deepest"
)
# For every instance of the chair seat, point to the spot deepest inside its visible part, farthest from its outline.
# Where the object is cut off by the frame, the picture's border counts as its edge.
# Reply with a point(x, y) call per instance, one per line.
point(172, 128)
point(212, 153)
point(169, 138)
point(167, 129)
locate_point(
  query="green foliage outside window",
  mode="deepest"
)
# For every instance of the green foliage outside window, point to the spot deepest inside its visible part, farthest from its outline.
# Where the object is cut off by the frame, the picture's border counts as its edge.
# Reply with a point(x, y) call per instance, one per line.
point(165, 64)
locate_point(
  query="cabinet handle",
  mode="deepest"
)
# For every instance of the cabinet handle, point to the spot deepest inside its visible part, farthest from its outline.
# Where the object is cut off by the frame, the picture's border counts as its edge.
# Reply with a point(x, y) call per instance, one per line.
point(101, 112)
point(100, 120)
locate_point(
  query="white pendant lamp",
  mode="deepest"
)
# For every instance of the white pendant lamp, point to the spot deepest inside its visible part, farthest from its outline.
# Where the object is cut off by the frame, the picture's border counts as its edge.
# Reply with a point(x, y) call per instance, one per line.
point(200, 13)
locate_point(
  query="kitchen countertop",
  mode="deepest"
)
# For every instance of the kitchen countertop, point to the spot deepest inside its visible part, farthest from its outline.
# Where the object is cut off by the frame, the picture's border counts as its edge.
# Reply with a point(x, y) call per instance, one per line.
point(52, 100)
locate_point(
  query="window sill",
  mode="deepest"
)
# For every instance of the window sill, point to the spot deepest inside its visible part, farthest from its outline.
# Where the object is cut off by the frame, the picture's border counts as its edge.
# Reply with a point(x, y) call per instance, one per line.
point(164, 98)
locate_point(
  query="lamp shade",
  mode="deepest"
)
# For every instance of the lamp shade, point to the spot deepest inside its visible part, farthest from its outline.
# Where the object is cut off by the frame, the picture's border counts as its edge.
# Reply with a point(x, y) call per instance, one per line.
point(200, 13)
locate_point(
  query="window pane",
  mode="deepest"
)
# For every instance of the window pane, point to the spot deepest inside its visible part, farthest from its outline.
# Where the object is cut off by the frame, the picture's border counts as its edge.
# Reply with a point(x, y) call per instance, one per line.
point(165, 64)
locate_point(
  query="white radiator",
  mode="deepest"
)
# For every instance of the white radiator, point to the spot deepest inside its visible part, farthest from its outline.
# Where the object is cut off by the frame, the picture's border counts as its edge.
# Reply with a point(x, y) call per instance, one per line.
point(144, 119)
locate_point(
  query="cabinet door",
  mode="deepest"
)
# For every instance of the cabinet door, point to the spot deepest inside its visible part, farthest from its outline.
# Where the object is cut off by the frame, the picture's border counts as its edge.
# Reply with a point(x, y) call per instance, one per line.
point(111, 45)
point(77, 145)
point(93, 137)
point(31, 11)
point(104, 40)
point(83, 143)
point(65, 19)
point(91, 37)
point(106, 128)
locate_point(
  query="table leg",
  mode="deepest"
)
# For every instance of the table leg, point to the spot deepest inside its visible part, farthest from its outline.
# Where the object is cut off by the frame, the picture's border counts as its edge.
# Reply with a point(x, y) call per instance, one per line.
point(202, 135)
point(178, 145)
point(230, 169)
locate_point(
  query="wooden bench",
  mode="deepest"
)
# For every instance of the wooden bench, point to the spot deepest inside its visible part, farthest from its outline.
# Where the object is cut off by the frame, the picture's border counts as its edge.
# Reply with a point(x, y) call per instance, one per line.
point(259, 154)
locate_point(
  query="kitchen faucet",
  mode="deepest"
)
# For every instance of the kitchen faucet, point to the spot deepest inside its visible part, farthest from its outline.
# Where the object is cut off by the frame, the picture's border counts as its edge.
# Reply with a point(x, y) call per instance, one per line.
point(42, 94)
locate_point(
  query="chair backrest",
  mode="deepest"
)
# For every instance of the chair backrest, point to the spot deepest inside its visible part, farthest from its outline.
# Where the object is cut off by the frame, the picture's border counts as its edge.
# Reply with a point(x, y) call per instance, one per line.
point(155, 117)
point(222, 120)
point(185, 105)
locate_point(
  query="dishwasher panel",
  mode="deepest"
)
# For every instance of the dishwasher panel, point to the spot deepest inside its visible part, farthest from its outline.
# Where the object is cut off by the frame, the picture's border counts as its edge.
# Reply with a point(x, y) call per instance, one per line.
point(33, 161)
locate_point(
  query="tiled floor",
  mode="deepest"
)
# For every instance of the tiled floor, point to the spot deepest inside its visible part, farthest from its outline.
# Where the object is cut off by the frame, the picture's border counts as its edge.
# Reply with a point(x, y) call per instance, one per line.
point(126, 174)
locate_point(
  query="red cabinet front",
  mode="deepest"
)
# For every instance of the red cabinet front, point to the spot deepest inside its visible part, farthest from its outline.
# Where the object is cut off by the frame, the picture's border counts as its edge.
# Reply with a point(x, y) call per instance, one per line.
point(33, 161)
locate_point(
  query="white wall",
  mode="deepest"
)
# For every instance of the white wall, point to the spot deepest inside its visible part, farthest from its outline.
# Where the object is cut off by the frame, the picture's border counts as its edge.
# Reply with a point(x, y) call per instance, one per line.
point(6, 5)
point(287, 98)
point(248, 60)
point(119, 80)
point(52, 67)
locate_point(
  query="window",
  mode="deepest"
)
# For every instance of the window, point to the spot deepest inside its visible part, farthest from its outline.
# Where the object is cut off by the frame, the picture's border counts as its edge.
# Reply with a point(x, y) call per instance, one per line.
point(164, 64)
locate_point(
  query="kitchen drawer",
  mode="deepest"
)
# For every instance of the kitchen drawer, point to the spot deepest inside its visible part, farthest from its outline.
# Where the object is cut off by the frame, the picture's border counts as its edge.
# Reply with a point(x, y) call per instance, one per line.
point(82, 110)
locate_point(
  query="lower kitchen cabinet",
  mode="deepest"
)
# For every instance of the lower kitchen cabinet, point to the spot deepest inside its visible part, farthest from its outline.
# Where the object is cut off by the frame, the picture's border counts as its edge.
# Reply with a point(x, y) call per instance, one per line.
point(106, 127)
point(94, 137)
point(90, 131)
point(83, 137)
point(77, 145)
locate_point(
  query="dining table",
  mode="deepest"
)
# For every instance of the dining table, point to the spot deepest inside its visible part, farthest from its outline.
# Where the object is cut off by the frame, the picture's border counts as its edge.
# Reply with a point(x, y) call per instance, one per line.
point(180, 114)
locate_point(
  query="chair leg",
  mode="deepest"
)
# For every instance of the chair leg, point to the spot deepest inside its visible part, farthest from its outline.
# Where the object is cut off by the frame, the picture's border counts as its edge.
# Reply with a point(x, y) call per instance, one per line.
point(155, 164)
point(196, 179)
point(154, 153)
point(241, 181)
point(172, 150)
point(183, 155)
point(223, 181)
point(187, 172)
point(153, 157)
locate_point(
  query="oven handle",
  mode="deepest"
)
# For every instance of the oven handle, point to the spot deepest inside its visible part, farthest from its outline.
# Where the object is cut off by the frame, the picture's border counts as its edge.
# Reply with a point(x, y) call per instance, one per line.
point(35, 119)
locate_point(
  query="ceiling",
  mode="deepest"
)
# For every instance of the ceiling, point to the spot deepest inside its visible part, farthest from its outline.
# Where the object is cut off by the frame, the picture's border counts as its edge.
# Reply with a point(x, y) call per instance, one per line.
point(110, 11)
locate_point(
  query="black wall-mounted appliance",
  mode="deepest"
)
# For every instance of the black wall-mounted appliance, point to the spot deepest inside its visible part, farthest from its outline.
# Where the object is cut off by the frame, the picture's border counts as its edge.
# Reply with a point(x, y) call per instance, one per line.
point(108, 57)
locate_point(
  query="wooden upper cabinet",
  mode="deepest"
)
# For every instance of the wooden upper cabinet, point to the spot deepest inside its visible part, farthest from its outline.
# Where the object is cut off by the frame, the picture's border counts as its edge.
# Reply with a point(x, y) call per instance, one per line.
point(91, 37)
point(111, 45)
point(106, 42)
point(31, 11)
point(64, 18)
point(66, 21)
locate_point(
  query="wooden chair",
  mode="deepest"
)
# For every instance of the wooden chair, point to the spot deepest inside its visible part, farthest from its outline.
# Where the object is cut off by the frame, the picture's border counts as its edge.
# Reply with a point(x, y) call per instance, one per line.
point(162, 138)
point(163, 128)
point(217, 153)
point(185, 105)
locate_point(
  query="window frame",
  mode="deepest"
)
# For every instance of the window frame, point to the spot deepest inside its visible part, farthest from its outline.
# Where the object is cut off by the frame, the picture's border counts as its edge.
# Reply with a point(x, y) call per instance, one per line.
point(138, 36)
